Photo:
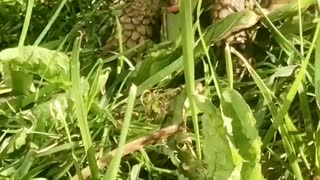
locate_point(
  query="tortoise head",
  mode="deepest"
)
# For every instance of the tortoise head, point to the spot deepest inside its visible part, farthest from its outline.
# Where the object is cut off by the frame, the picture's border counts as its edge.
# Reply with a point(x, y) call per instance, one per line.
point(173, 6)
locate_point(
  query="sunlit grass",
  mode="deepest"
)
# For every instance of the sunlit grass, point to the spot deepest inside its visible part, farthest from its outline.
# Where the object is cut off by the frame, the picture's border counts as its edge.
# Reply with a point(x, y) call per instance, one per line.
point(186, 115)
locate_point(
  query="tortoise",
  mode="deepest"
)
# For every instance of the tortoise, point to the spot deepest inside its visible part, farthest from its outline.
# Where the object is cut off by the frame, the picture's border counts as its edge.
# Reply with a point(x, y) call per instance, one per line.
point(141, 20)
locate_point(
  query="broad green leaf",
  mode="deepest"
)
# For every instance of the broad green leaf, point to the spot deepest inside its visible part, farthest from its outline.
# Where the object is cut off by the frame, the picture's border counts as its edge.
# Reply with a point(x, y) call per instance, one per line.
point(154, 68)
point(244, 133)
point(134, 174)
point(159, 58)
point(50, 65)
point(232, 23)
point(21, 140)
point(285, 71)
point(157, 77)
point(15, 142)
point(47, 114)
point(282, 72)
point(10, 105)
point(172, 26)
point(19, 81)
point(220, 155)
point(278, 11)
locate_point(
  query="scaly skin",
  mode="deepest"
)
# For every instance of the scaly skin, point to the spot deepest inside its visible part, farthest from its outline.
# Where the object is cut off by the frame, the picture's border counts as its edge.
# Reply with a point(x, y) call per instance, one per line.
point(224, 8)
point(239, 40)
point(140, 20)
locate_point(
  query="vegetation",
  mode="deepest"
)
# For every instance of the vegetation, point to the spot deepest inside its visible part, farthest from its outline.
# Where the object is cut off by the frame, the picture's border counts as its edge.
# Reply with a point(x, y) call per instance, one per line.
point(179, 109)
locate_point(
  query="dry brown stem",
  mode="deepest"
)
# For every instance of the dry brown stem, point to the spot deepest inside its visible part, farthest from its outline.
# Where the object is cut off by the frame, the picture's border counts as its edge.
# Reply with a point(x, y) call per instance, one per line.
point(131, 147)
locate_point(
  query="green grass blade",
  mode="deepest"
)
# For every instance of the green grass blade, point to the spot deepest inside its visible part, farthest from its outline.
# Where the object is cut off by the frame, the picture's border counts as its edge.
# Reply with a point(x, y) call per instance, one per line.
point(26, 23)
point(37, 170)
point(74, 157)
point(317, 94)
point(51, 21)
point(289, 9)
point(292, 92)
point(317, 71)
point(154, 79)
point(267, 94)
point(77, 93)
point(187, 36)
point(300, 28)
point(317, 152)
point(265, 91)
point(279, 37)
point(99, 80)
point(297, 141)
point(306, 112)
point(112, 172)
point(80, 107)
point(229, 66)
point(304, 104)
point(206, 52)
point(289, 148)
point(121, 58)
point(26, 165)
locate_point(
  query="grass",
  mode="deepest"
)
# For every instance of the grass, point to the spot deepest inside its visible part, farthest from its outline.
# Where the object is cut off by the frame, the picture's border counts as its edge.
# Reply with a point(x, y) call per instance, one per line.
point(186, 110)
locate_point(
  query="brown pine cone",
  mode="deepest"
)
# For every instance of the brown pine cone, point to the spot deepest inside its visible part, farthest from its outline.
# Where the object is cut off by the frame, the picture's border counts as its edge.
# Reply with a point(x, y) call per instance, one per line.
point(140, 20)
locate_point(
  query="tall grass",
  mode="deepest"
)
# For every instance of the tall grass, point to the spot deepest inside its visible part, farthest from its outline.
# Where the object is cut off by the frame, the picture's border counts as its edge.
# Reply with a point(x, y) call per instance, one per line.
point(187, 35)
point(58, 121)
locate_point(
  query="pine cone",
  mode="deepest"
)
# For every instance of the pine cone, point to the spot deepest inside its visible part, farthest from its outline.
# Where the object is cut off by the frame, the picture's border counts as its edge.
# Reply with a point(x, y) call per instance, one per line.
point(140, 20)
